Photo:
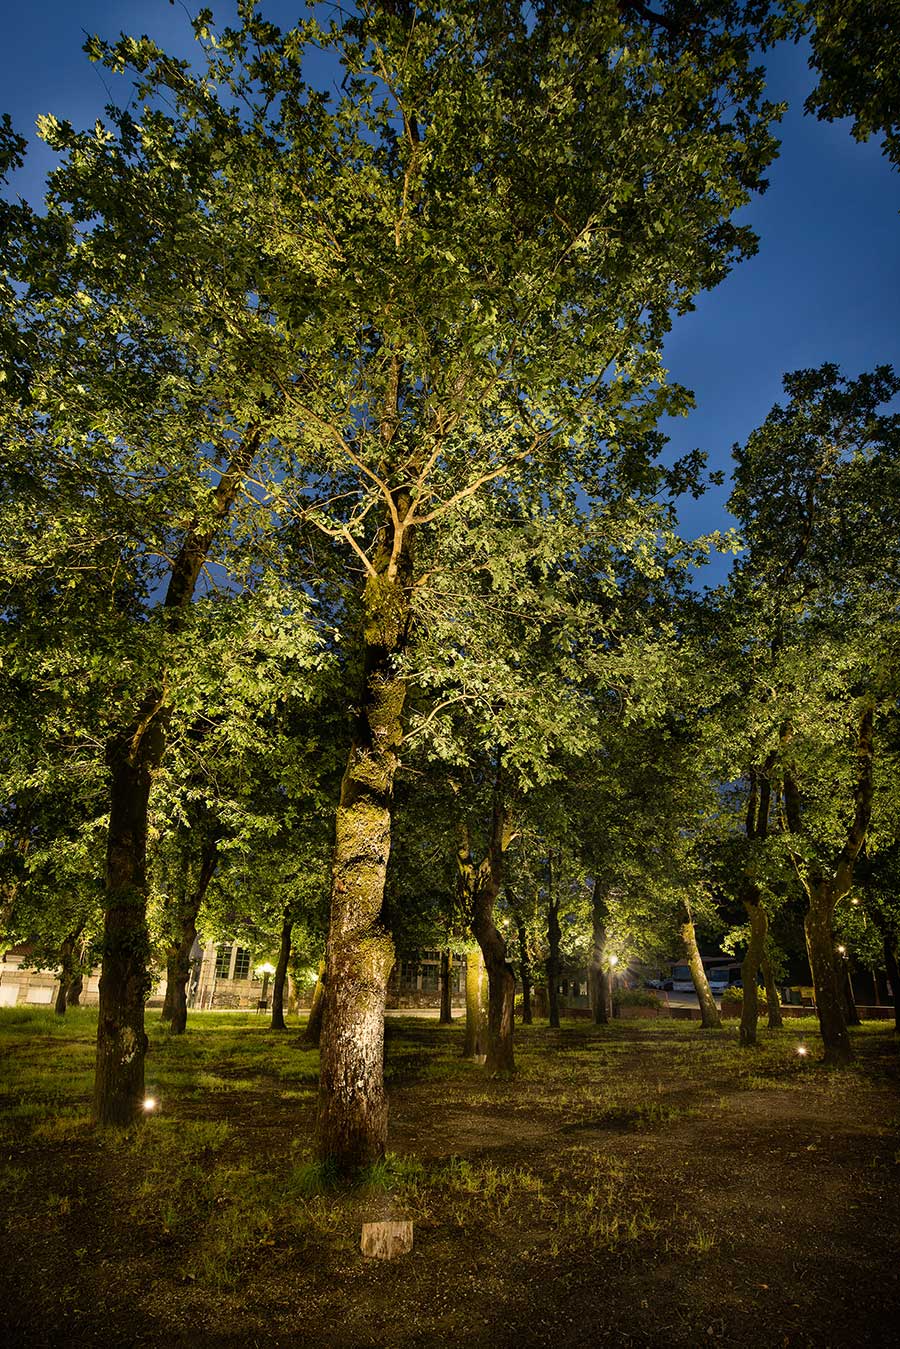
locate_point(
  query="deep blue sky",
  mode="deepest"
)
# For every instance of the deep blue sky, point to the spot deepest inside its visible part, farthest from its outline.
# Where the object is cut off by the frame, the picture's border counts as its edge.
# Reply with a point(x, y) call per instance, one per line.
point(825, 285)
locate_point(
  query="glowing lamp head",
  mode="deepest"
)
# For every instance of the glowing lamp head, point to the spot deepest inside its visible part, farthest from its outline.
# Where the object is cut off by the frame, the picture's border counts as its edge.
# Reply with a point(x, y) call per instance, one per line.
point(149, 1104)
point(267, 968)
point(842, 950)
point(801, 1050)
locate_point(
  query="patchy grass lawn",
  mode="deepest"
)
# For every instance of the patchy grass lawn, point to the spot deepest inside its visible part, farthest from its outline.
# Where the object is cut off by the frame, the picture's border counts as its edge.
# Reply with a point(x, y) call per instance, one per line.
point(643, 1184)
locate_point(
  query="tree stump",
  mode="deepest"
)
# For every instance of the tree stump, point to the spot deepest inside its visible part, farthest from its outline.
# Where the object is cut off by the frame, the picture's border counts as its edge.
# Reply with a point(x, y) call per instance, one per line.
point(386, 1240)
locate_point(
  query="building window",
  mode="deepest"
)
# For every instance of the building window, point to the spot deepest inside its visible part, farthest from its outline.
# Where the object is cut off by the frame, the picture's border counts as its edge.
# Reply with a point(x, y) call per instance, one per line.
point(223, 962)
point(242, 963)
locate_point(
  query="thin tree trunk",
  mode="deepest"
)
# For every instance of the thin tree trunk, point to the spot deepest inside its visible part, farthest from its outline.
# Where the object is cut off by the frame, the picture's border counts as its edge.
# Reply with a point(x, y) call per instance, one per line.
point(446, 1014)
point(750, 965)
point(476, 1038)
point(773, 996)
point(527, 977)
point(599, 981)
point(893, 975)
point(312, 1033)
point(709, 1012)
point(74, 991)
point(284, 955)
point(554, 933)
point(179, 961)
point(846, 986)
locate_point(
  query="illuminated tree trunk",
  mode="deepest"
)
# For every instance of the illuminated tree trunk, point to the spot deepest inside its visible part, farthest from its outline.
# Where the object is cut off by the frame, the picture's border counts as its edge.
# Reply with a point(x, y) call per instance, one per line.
point(352, 1114)
point(483, 884)
point(773, 996)
point(525, 972)
point(74, 991)
point(709, 1012)
point(750, 970)
point(280, 977)
point(67, 971)
point(825, 887)
point(475, 1042)
point(312, 1034)
point(599, 980)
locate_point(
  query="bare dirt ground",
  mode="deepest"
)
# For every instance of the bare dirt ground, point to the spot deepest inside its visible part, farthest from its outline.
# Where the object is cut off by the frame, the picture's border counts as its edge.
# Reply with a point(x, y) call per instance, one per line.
point(638, 1185)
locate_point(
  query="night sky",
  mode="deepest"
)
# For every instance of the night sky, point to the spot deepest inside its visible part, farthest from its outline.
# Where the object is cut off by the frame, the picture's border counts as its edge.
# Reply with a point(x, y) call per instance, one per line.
point(824, 286)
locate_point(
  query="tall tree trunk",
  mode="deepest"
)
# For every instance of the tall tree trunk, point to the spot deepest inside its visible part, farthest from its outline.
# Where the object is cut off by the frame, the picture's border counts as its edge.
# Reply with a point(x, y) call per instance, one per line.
point(554, 933)
point(482, 884)
point(352, 1114)
point(824, 888)
point(312, 1033)
point(527, 977)
point(829, 996)
point(284, 955)
point(74, 991)
point(446, 1013)
point(124, 980)
point(178, 967)
point(846, 986)
point(132, 756)
point(773, 996)
point(709, 1012)
point(599, 981)
point(476, 1037)
point(750, 965)
point(893, 974)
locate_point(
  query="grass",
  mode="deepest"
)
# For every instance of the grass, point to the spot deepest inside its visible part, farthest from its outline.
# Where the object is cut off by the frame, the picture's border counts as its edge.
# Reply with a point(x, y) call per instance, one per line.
point(587, 1155)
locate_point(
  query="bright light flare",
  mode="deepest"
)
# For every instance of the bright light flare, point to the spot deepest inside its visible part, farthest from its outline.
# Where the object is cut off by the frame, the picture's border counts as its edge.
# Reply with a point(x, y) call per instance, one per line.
point(149, 1103)
point(842, 950)
point(614, 960)
point(801, 1050)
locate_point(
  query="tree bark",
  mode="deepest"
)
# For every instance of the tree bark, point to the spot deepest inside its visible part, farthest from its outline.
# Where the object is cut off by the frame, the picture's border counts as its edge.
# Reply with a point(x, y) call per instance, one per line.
point(773, 996)
point(446, 1013)
point(475, 1043)
point(893, 974)
point(554, 932)
point(178, 965)
point(843, 977)
point(600, 983)
point(352, 1114)
point(750, 965)
point(829, 1000)
point(312, 1034)
point(709, 1012)
point(67, 972)
point(74, 991)
point(124, 980)
point(278, 982)
point(484, 883)
point(132, 757)
point(825, 887)
point(527, 977)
